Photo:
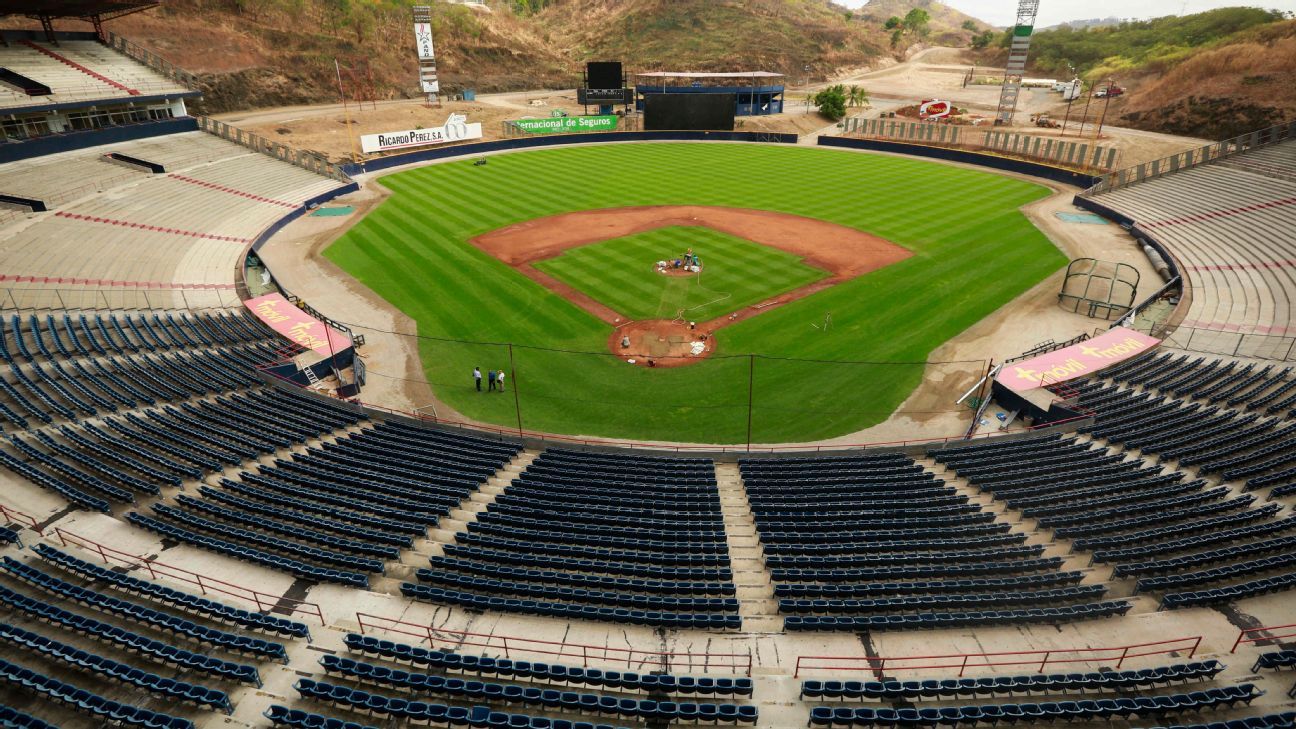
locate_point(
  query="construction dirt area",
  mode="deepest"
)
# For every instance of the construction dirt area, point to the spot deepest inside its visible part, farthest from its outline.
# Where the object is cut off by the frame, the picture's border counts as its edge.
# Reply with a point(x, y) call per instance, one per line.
point(334, 131)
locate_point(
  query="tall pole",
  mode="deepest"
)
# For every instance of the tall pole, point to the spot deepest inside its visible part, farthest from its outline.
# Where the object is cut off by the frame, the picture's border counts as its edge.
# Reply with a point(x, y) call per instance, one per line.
point(345, 109)
point(751, 380)
point(1085, 118)
point(517, 404)
point(1107, 103)
point(806, 77)
point(1070, 94)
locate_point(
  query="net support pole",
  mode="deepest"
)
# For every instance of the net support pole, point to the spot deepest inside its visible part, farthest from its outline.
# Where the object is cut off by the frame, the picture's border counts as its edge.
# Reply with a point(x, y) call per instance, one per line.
point(517, 403)
point(751, 381)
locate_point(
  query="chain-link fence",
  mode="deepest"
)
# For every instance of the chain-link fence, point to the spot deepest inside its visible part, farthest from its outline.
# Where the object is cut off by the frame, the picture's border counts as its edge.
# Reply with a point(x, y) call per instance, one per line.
point(722, 399)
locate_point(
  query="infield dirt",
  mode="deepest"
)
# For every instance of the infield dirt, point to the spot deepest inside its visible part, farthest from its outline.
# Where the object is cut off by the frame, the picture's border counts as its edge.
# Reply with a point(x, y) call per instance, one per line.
point(841, 251)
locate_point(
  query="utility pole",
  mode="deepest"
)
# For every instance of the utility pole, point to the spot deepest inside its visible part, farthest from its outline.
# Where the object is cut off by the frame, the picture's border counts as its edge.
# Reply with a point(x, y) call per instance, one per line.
point(1106, 103)
point(1070, 96)
point(345, 110)
point(806, 77)
point(1085, 118)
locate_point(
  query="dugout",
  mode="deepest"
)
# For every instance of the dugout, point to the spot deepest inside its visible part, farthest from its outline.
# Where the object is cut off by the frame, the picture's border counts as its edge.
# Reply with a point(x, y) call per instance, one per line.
point(756, 93)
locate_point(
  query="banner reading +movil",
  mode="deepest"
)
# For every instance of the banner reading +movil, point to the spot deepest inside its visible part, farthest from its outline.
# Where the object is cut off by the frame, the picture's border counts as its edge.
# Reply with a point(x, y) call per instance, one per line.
point(567, 124)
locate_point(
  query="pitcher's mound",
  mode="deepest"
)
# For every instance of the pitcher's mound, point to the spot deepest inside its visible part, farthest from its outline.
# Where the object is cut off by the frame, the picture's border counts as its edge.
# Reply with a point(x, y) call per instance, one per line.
point(664, 343)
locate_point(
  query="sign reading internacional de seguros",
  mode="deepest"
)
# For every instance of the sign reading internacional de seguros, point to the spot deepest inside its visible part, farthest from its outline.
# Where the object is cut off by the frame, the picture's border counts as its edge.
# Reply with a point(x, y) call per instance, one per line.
point(567, 124)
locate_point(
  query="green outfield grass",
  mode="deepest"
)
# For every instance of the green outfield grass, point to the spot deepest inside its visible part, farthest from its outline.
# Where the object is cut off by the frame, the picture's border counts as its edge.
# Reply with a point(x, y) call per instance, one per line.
point(973, 252)
point(736, 273)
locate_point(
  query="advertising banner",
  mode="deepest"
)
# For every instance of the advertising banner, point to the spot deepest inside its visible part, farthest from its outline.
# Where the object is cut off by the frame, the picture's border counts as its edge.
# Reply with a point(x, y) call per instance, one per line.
point(568, 124)
point(455, 129)
point(1078, 360)
point(935, 109)
point(423, 41)
point(296, 325)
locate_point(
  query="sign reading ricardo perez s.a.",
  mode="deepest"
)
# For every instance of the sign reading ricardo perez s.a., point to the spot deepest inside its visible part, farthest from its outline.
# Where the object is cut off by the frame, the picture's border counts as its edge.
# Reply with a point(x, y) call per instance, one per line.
point(455, 129)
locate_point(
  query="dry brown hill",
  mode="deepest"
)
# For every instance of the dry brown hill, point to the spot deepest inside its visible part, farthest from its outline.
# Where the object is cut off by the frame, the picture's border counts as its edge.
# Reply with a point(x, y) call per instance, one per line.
point(263, 53)
point(715, 35)
point(947, 23)
point(1243, 84)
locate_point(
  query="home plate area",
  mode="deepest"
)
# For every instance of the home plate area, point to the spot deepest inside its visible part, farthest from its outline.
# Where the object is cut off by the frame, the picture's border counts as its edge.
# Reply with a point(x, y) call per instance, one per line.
point(661, 343)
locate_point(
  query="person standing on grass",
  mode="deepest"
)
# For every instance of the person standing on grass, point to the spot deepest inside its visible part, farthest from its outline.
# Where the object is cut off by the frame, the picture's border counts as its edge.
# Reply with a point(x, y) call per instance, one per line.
point(499, 378)
point(490, 381)
point(477, 377)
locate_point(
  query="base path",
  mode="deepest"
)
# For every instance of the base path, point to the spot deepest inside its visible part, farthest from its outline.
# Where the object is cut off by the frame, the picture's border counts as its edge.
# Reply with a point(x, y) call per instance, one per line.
point(841, 251)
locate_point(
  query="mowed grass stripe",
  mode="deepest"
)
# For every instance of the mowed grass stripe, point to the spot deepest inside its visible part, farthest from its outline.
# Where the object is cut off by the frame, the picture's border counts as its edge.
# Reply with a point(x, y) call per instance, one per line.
point(973, 252)
point(736, 273)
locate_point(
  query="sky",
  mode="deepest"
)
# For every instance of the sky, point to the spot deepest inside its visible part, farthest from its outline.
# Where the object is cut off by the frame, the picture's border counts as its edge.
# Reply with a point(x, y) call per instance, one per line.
point(1051, 12)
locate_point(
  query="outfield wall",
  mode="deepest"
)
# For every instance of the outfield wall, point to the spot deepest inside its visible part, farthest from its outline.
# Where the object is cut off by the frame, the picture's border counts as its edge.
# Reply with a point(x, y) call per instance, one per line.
point(462, 150)
point(1033, 169)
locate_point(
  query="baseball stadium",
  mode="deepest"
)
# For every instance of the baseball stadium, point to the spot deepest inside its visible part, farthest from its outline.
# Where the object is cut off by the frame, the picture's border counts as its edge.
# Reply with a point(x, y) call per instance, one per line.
point(324, 414)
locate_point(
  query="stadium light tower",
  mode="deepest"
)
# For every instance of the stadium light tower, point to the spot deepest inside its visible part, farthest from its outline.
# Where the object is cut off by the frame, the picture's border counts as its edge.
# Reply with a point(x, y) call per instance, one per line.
point(1016, 68)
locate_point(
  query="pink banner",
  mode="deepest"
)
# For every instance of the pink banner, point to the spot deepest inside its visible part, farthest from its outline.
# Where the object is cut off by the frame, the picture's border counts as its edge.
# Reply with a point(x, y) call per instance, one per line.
point(280, 315)
point(1078, 360)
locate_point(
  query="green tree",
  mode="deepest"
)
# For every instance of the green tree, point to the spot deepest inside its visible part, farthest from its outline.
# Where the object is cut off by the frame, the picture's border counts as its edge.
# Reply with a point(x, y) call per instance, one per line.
point(893, 22)
point(970, 25)
point(916, 20)
point(896, 35)
point(857, 96)
point(831, 102)
point(983, 39)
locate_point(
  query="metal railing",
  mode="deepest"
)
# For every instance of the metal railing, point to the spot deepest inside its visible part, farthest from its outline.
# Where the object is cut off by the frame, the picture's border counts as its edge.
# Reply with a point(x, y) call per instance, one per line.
point(1256, 345)
point(512, 646)
point(1193, 158)
point(152, 60)
point(356, 339)
point(1245, 636)
point(1039, 659)
point(1046, 347)
point(257, 143)
point(18, 517)
point(124, 298)
point(264, 602)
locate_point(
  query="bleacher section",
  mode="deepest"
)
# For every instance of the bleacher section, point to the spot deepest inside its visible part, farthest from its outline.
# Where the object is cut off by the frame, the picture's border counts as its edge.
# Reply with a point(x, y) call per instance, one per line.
point(880, 543)
point(1226, 423)
point(1228, 223)
point(77, 71)
point(189, 226)
point(555, 689)
point(629, 539)
point(169, 517)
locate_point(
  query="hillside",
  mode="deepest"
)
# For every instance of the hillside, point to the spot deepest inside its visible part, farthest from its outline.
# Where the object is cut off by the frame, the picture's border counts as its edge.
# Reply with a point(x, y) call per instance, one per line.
point(1213, 74)
point(947, 27)
point(262, 53)
point(1240, 85)
point(714, 35)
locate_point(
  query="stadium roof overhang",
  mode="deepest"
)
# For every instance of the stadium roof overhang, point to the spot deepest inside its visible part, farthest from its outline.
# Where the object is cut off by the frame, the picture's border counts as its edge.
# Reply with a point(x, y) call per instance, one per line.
point(80, 9)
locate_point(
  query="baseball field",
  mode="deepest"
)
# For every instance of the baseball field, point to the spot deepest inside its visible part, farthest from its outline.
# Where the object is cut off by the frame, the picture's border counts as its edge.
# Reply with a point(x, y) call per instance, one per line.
point(839, 327)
